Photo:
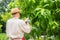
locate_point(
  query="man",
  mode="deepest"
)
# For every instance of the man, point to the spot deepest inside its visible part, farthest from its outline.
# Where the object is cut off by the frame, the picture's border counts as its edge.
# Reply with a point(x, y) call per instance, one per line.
point(15, 27)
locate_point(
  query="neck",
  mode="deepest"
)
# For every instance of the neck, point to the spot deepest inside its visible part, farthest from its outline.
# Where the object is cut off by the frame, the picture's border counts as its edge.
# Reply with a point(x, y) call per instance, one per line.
point(16, 17)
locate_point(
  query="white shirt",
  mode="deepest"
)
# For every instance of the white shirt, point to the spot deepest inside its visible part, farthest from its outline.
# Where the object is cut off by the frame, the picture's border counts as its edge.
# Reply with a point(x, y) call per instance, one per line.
point(15, 28)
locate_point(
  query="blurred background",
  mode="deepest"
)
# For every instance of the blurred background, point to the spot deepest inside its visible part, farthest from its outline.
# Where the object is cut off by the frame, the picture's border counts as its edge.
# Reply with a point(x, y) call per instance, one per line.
point(44, 18)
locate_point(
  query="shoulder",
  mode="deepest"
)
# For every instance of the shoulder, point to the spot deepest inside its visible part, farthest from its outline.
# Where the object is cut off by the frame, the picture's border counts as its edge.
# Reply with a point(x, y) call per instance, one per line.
point(21, 21)
point(9, 20)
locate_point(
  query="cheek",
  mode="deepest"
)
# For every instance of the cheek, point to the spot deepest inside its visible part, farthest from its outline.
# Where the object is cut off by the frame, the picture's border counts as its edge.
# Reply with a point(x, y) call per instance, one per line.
point(18, 15)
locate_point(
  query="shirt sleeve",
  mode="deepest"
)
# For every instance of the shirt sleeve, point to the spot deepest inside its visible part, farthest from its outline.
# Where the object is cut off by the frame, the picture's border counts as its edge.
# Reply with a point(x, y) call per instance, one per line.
point(8, 30)
point(25, 28)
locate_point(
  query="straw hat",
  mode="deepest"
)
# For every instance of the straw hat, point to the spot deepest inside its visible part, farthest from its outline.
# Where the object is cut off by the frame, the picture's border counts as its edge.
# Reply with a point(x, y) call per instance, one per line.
point(14, 10)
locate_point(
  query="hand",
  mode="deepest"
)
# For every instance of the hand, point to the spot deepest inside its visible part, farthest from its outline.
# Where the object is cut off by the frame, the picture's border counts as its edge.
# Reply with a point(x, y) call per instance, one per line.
point(27, 21)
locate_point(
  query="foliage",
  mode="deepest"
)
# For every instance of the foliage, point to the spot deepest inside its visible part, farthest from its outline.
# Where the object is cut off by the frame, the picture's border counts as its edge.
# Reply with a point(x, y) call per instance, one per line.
point(3, 36)
point(44, 15)
point(0, 28)
point(3, 5)
point(6, 16)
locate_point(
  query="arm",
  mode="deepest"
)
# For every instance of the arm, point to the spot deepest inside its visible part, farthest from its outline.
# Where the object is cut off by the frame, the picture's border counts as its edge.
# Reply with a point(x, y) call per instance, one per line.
point(8, 30)
point(25, 27)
